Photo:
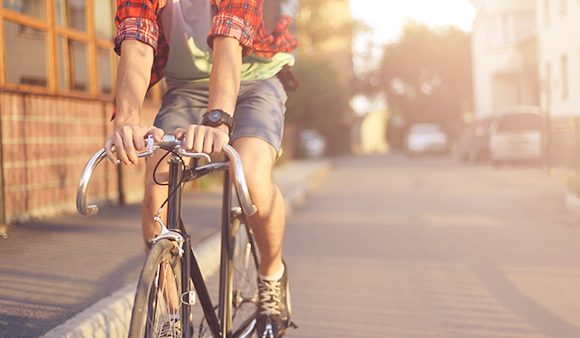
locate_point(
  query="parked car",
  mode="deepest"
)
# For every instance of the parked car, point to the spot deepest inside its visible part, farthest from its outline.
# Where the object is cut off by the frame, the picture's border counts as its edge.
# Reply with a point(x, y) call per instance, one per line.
point(474, 141)
point(425, 138)
point(516, 134)
point(311, 143)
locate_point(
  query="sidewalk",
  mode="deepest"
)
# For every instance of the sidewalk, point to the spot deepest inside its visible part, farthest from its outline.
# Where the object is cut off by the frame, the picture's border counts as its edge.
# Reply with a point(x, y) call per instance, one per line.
point(54, 270)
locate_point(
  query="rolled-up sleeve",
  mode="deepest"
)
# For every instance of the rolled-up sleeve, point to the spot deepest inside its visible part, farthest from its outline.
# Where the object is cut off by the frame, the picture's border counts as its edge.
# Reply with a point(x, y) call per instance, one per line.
point(238, 19)
point(137, 20)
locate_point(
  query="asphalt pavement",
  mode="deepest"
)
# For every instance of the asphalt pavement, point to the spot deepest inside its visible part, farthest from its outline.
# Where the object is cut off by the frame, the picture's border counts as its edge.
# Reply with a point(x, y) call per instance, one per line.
point(429, 247)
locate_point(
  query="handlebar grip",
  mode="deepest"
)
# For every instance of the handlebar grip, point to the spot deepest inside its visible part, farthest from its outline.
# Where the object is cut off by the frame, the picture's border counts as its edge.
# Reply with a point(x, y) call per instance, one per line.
point(82, 207)
point(92, 209)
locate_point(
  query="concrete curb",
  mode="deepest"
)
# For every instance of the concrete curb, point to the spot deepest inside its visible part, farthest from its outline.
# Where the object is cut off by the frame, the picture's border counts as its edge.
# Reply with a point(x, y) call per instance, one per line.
point(110, 316)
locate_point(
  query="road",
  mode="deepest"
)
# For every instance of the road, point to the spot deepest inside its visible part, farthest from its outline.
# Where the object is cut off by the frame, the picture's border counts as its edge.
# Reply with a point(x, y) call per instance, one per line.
point(428, 247)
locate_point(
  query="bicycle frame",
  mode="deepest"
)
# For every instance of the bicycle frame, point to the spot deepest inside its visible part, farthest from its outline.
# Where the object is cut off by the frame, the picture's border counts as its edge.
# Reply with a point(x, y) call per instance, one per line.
point(220, 328)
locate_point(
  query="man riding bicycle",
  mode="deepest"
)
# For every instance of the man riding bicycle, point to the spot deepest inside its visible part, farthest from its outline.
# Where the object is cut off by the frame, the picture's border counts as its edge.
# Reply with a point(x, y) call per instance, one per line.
point(220, 66)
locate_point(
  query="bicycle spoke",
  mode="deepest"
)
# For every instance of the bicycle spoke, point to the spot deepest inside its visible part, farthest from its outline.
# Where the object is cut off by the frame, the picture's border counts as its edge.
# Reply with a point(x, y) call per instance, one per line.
point(245, 287)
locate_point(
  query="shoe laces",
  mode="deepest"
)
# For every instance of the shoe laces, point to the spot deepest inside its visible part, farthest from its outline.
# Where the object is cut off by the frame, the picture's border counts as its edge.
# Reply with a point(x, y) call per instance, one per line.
point(170, 329)
point(270, 297)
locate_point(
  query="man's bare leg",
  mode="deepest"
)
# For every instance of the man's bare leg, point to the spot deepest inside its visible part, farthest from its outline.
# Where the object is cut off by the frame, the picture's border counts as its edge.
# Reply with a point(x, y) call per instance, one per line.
point(154, 196)
point(273, 312)
point(258, 158)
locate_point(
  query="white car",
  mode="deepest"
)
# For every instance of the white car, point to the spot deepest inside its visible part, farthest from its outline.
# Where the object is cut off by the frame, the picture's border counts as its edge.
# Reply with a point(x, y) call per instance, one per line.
point(426, 138)
point(311, 143)
point(516, 134)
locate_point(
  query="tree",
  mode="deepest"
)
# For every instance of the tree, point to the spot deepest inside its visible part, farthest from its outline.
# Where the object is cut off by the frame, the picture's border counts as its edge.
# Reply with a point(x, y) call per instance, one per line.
point(324, 69)
point(426, 75)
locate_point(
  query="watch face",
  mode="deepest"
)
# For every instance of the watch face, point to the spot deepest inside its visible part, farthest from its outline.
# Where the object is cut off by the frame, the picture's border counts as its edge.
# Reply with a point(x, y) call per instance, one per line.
point(215, 116)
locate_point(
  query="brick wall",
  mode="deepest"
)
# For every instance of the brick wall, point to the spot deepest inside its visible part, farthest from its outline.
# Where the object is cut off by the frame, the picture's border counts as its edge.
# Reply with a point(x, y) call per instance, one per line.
point(46, 142)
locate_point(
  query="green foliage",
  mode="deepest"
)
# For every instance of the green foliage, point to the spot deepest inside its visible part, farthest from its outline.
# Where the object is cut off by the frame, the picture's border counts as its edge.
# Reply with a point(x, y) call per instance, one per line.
point(324, 69)
point(322, 101)
point(426, 75)
point(320, 96)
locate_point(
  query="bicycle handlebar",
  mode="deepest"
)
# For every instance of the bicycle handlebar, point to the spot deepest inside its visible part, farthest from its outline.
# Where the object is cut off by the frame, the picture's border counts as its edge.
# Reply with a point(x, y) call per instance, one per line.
point(169, 142)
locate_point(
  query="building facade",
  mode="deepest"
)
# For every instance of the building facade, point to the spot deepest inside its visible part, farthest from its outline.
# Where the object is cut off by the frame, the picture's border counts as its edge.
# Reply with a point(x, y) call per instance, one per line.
point(504, 49)
point(56, 91)
point(559, 74)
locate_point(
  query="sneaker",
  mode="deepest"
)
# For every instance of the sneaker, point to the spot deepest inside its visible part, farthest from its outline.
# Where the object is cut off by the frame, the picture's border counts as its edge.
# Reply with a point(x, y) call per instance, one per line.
point(274, 307)
point(170, 329)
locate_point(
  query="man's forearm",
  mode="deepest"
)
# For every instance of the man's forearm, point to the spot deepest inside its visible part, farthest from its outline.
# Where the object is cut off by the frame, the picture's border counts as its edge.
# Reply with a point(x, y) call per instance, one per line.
point(224, 84)
point(133, 78)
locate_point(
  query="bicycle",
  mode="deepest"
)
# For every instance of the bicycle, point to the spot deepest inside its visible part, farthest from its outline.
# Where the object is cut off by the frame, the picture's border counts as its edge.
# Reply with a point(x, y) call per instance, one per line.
point(171, 263)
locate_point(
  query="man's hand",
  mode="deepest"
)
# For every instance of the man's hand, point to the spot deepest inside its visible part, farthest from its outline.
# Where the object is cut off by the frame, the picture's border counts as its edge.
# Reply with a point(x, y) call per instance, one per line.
point(128, 139)
point(204, 139)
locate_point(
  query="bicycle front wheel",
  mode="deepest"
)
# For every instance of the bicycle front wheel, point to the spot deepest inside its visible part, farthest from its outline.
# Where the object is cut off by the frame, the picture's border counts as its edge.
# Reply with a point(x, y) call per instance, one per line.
point(157, 299)
point(242, 283)
point(244, 261)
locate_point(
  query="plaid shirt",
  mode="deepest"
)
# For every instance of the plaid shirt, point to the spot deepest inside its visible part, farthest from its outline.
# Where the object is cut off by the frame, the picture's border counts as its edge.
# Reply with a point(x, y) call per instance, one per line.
point(240, 19)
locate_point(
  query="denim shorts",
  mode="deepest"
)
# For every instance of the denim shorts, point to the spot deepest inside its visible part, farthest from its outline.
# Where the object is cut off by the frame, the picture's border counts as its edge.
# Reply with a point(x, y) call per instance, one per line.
point(260, 109)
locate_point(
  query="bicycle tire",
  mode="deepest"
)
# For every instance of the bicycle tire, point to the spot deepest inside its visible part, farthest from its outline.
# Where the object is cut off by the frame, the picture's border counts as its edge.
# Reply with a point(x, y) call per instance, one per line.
point(244, 260)
point(150, 310)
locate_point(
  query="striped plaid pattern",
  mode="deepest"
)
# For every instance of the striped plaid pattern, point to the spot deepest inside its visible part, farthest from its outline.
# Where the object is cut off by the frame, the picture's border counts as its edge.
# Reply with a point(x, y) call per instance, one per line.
point(240, 19)
point(135, 28)
point(226, 24)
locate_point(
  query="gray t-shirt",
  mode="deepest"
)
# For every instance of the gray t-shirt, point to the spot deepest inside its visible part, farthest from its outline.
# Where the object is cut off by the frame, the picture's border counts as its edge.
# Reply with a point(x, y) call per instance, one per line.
point(186, 25)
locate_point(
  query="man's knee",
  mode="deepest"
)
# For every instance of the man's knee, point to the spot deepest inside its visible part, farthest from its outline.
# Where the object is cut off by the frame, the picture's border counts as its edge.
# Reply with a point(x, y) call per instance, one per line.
point(258, 159)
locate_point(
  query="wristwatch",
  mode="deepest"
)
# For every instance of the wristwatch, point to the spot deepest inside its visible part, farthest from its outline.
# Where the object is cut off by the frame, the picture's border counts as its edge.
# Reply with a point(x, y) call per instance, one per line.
point(217, 117)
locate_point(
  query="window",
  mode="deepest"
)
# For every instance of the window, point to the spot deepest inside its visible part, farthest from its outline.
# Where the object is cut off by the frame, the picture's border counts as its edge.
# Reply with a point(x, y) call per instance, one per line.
point(500, 30)
point(72, 65)
point(518, 122)
point(71, 55)
point(72, 14)
point(103, 18)
point(25, 57)
point(78, 69)
point(33, 8)
point(508, 29)
point(564, 70)
point(105, 71)
point(547, 12)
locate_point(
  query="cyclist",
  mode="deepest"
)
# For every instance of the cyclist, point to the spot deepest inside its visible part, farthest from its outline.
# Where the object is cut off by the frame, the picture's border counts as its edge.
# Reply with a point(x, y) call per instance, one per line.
point(220, 65)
